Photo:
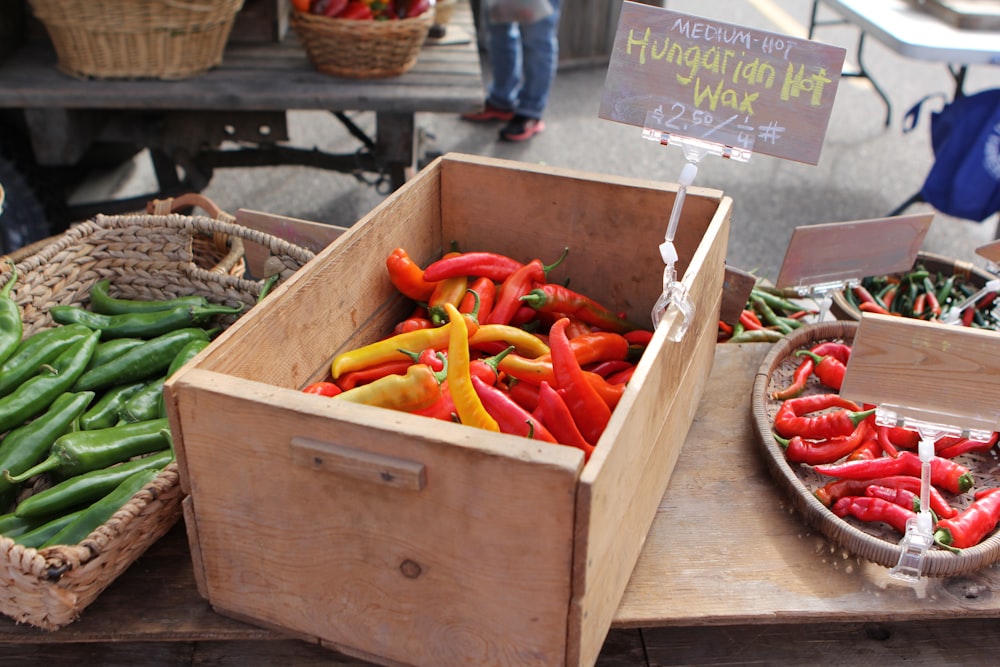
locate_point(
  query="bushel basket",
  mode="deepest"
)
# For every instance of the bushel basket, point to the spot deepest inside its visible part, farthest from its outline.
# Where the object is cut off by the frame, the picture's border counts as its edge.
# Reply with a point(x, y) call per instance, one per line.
point(144, 257)
point(135, 39)
point(357, 49)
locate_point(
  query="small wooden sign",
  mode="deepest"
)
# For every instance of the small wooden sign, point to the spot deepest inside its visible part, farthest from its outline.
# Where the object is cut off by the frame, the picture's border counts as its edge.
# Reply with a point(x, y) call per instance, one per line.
point(835, 251)
point(990, 251)
point(934, 372)
point(721, 82)
point(736, 287)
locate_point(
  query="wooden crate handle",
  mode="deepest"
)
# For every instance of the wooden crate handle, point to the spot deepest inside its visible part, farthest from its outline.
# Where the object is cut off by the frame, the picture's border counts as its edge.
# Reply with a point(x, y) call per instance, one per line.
point(358, 464)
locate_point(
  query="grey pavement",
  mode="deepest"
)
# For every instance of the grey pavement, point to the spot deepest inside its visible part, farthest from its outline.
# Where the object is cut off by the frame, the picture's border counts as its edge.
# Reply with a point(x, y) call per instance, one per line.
point(866, 169)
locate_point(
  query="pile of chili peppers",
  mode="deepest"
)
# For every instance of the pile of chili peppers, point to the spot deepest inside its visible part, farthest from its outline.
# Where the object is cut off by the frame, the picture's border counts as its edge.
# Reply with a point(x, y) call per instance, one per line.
point(875, 469)
point(491, 343)
point(768, 315)
point(923, 295)
point(81, 407)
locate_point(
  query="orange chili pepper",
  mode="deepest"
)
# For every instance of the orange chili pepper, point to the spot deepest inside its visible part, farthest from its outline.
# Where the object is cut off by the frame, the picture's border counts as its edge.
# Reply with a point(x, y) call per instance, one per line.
point(407, 276)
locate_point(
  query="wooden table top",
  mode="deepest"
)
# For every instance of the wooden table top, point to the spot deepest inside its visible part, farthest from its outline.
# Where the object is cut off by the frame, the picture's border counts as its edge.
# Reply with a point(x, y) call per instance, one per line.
point(725, 550)
point(447, 78)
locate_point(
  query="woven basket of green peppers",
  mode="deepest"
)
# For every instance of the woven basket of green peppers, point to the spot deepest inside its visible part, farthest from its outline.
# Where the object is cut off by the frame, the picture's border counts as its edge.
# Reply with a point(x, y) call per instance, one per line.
point(926, 292)
point(98, 485)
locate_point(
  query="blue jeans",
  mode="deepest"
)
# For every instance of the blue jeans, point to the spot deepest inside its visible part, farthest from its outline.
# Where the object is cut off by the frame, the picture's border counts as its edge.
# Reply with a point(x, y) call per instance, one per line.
point(523, 61)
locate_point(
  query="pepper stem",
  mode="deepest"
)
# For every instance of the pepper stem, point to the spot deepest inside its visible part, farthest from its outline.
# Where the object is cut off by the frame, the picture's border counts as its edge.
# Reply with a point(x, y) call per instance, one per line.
point(48, 464)
point(548, 267)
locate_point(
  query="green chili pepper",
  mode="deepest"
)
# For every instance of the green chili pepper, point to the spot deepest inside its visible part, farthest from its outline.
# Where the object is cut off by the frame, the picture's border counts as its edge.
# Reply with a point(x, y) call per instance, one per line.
point(775, 302)
point(186, 354)
point(105, 413)
point(87, 487)
point(770, 317)
point(12, 526)
point(756, 336)
point(36, 537)
point(11, 325)
point(148, 360)
point(145, 404)
point(82, 451)
point(102, 302)
point(140, 325)
point(36, 351)
point(102, 510)
point(35, 395)
point(26, 445)
point(108, 350)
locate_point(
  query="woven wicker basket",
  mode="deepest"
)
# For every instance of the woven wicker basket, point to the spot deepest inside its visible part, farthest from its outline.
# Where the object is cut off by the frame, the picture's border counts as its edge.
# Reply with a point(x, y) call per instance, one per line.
point(871, 541)
point(134, 39)
point(144, 257)
point(356, 49)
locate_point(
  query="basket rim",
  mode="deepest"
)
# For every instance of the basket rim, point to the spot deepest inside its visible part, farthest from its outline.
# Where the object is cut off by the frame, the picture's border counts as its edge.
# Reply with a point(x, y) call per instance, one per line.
point(937, 562)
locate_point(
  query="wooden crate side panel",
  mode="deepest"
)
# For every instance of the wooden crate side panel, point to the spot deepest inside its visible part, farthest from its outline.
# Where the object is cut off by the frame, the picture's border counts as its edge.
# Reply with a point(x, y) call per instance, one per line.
point(529, 212)
point(473, 568)
point(341, 299)
point(621, 486)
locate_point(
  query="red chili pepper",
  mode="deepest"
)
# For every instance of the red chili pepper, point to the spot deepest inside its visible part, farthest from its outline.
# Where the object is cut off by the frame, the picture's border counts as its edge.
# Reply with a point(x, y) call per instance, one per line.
point(799, 381)
point(412, 324)
point(945, 473)
point(443, 408)
point(967, 316)
point(588, 349)
point(971, 526)
point(919, 304)
point(371, 373)
point(800, 450)
point(891, 438)
point(966, 446)
point(827, 369)
point(610, 367)
point(524, 394)
point(868, 509)
point(750, 321)
point(641, 337)
point(867, 307)
point(510, 416)
point(840, 351)
point(487, 369)
point(407, 276)
point(902, 497)
point(494, 266)
point(356, 10)
point(622, 377)
point(516, 285)
point(867, 450)
point(791, 418)
point(322, 389)
point(832, 491)
point(590, 412)
point(486, 290)
point(555, 414)
point(553, 298)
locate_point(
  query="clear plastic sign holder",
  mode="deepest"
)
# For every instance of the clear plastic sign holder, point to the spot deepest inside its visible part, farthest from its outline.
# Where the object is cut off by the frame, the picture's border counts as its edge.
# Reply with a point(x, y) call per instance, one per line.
point(724, 137)
point(954, 313)
point(919, 535)
point(822, 293)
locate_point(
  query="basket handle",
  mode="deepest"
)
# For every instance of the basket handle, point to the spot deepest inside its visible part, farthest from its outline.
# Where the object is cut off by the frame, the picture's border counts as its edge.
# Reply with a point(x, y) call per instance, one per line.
point(230, 246)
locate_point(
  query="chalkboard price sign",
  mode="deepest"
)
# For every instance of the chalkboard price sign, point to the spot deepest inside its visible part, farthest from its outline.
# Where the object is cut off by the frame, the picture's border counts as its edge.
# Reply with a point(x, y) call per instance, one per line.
point(721, 82)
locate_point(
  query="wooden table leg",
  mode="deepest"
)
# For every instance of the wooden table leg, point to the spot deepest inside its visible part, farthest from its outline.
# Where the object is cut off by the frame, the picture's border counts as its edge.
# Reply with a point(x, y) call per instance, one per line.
point(396, 141)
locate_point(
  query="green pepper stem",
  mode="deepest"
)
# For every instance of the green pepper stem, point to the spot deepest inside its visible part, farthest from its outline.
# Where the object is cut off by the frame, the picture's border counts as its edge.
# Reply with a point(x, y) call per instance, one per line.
point(48, 464)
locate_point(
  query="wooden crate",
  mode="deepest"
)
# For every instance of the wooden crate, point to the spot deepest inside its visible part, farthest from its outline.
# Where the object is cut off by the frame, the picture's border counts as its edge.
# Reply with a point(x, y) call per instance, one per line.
point(406, 540)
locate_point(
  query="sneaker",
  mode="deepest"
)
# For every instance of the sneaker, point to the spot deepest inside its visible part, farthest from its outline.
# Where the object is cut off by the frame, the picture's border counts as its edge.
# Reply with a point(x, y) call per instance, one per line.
point(521, 128)
point(487, 113)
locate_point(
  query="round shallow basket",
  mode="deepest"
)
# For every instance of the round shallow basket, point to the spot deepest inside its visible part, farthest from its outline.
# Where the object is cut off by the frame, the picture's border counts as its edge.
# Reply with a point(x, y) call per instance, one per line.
point(136, 39)
point(875, 542)
point(964, 272)
point(356, 49)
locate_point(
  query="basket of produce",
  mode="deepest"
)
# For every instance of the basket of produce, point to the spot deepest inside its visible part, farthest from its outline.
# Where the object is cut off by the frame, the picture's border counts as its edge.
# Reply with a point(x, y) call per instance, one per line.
point(359, 40)
point(926, 292)
point(857, 482)
point(133, 39)
point(107, 310)
point(767, 316)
